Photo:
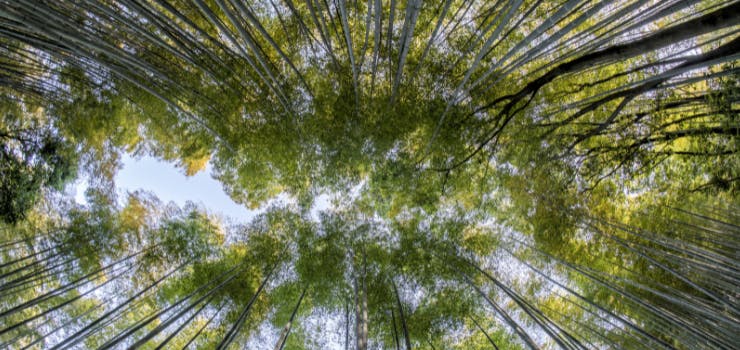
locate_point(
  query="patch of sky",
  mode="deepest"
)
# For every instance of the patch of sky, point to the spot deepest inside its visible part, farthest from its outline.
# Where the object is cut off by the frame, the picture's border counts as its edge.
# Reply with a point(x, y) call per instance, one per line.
point(170, 184)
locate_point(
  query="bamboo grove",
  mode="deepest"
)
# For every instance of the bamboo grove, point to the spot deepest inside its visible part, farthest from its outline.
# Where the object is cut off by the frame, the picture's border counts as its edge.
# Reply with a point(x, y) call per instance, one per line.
point(506, 174)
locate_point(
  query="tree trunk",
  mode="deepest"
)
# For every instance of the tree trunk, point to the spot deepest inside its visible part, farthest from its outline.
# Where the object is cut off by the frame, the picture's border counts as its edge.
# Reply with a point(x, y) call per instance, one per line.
point(243, 316)
point(286, 331)
point(719, 19)
point(403, 318)
point(79, 335)
point(360, 317)
point(493, 343)
point(395, 331)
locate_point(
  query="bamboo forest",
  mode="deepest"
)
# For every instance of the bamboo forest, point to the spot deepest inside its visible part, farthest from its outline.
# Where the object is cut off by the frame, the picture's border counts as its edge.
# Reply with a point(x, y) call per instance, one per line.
point(426, 174)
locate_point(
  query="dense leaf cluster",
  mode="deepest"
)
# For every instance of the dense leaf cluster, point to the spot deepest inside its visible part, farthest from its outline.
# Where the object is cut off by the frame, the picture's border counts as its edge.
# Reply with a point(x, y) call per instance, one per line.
point(502, 174)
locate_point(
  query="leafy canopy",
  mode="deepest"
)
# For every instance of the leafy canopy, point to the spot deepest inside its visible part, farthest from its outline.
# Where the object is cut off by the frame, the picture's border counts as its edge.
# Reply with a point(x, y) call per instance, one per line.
point(509, 174)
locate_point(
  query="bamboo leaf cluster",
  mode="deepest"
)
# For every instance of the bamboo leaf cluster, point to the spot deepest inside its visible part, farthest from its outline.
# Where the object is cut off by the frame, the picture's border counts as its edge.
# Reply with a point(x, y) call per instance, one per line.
point(509, 174)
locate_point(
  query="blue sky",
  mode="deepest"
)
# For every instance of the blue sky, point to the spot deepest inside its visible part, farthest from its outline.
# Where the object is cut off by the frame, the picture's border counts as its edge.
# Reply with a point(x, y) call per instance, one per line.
point(170, 184)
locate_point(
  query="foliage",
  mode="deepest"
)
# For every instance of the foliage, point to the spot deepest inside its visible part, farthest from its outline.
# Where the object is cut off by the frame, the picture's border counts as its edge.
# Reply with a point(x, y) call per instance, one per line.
point(509, 174)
